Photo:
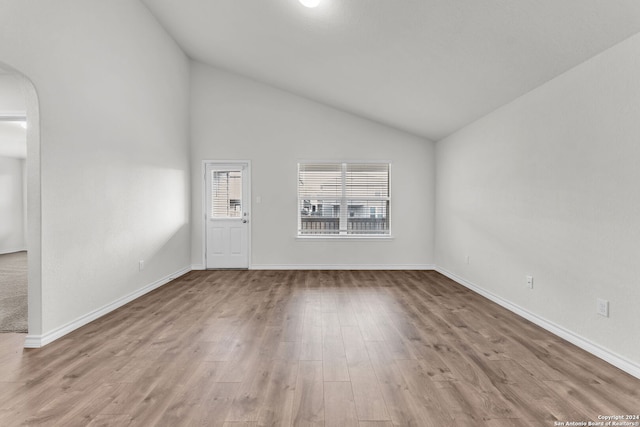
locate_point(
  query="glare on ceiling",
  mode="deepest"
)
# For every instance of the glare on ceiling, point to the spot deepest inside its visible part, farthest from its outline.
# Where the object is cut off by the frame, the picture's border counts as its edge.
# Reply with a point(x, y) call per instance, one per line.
point(310, 3)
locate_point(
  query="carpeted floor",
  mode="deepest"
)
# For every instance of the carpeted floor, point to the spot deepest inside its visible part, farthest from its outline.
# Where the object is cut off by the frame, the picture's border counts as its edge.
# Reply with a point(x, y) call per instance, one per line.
point(13, 292)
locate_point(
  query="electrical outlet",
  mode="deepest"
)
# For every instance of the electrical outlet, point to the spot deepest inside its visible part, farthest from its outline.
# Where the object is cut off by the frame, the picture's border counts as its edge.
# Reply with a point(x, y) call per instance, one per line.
point(530, 282)
point(141, 265)
point(602, 307)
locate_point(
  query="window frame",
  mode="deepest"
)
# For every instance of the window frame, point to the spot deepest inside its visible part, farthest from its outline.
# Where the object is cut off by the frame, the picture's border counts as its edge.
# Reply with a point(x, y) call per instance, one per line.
point(343, 234)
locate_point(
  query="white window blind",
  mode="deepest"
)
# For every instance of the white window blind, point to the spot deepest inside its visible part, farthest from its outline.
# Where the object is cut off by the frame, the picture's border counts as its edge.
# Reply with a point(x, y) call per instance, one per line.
point(343, 199)
point(226, 194)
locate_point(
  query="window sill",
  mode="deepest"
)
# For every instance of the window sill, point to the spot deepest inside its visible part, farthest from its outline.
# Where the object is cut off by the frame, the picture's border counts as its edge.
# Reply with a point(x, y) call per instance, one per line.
point(343, 237)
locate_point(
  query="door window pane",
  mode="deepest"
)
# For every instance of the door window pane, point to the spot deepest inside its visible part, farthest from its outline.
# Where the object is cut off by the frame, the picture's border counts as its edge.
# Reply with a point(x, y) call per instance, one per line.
point(226, 194)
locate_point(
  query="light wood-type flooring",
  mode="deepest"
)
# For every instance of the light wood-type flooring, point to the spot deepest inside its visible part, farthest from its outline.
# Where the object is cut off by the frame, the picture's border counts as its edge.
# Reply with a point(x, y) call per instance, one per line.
point(309, 348)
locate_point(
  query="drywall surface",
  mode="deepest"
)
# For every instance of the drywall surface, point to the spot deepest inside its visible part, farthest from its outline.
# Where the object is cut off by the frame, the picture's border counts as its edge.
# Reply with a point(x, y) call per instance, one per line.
point(13, 136)
point(234, 118)
point(13, 98)
point(13, 148)
point(548, 186)
point(113, 108)
point(12, 213)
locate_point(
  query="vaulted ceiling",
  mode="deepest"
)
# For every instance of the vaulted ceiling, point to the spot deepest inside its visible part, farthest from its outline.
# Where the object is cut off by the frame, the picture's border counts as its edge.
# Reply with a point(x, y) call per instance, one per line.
point(428, 67)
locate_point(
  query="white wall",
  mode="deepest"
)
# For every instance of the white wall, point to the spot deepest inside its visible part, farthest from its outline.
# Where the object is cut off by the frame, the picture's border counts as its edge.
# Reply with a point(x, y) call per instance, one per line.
point(237, 118)
point(12, 204)
point(548, 186)
point(12, 99)
point(13, 146)
point(113, 107)
point(13, 137)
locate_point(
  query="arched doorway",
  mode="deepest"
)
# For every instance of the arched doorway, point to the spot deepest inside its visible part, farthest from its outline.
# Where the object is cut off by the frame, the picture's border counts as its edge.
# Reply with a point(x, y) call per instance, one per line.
point(26, 114)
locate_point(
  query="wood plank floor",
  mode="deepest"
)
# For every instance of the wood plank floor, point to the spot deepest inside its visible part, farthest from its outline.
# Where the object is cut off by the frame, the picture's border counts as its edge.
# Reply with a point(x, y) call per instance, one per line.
point(309, 348)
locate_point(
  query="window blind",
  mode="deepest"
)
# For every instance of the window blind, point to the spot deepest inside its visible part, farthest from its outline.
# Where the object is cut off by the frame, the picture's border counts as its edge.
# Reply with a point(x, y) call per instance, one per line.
point(226, 194)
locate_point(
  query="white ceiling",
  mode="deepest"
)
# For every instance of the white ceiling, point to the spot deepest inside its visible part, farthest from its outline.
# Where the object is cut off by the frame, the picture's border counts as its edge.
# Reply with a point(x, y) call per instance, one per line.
point(428, 67)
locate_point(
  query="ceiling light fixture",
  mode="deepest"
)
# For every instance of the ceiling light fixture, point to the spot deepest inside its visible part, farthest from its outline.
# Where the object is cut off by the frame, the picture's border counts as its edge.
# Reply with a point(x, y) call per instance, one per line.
point(310, 3)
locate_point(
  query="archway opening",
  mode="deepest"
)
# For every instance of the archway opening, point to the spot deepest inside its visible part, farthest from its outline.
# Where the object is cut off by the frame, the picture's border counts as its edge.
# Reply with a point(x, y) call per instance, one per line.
point(20, 213)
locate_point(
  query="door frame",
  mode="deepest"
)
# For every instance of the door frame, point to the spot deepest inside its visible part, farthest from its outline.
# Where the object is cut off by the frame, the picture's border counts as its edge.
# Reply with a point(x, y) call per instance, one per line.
point(203, 174)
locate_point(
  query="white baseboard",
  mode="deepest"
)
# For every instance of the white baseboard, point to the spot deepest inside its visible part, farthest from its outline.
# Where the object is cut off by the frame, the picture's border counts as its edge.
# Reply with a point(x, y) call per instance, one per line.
point(197, 267)
point(614, 359)
point(342, 267)
point(37, 341)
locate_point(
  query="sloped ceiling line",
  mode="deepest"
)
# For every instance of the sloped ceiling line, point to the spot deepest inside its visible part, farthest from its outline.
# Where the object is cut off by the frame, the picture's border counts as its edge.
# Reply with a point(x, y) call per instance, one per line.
point(429, 67)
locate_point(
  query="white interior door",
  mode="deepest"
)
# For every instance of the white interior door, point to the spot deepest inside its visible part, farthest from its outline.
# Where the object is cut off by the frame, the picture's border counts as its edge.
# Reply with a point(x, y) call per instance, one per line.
point(227, 215)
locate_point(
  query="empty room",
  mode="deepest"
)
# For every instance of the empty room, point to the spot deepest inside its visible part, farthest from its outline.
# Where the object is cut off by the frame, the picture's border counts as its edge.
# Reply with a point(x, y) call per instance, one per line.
point(367, 213)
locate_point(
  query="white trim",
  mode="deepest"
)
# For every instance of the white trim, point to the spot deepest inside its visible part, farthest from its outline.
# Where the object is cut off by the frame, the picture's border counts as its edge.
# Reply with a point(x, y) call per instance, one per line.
point(341, 267)
point(37, 341)
point(197, 267)
point(612, 358)
point(33, 341)
point(343, 160)
point(344, 237)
